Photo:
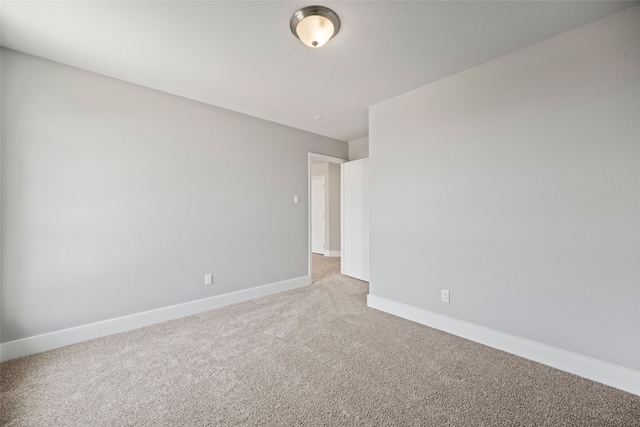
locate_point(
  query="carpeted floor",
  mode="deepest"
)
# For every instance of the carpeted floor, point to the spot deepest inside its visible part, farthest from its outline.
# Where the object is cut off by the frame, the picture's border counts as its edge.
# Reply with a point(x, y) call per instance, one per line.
point(313, 356)
point(323, 267)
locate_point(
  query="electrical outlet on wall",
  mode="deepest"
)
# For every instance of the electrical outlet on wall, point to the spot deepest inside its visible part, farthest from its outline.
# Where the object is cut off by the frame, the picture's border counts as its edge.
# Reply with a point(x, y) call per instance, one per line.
point(208, 279)
point(444, 295)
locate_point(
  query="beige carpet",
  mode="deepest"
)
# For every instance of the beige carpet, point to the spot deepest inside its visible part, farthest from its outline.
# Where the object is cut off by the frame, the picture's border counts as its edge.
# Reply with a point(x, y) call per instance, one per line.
point(323, 267)
point(314, 356)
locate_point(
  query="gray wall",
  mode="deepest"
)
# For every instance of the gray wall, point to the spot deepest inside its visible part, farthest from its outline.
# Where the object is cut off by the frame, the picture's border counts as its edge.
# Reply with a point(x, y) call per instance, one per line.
point(359, 148)
point(117, 199)
point(331, 172)
point(334, 206)
point(516, 185)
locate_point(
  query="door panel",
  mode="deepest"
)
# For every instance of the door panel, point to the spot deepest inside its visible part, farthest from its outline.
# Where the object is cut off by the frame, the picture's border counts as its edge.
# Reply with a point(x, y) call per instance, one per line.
point(355, 232)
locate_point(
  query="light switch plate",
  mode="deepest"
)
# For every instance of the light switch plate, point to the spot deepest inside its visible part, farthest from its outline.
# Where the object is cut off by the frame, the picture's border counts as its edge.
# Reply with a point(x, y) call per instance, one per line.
point(444, 295)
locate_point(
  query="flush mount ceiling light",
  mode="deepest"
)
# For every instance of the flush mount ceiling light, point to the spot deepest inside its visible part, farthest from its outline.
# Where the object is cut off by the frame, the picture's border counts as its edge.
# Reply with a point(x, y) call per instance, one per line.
point(315, 25)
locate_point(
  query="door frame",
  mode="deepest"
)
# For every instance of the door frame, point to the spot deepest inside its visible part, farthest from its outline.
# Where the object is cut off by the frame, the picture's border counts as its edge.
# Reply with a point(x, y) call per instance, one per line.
point(321, 158)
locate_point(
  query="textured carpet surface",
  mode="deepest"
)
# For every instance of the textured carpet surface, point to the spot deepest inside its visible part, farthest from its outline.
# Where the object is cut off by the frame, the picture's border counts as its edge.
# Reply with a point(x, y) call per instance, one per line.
point(313, 356)
point(323, 267)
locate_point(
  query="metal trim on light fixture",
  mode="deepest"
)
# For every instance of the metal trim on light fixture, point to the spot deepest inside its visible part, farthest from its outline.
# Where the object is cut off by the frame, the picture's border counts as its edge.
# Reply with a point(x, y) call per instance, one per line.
point(311, 11)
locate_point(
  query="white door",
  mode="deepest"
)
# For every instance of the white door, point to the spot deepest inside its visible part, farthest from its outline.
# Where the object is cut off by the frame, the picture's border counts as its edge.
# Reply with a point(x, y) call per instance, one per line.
point(317, 215)
point(355, 230)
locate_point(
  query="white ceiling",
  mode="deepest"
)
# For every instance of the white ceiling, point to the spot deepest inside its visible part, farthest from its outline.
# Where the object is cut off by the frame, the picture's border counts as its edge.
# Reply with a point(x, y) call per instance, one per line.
point(242, 56)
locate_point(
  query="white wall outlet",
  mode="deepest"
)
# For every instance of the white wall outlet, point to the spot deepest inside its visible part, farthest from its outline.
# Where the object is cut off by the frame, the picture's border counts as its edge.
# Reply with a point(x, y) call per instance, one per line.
point(296, 199)
point(444, 295)
point(208, 279)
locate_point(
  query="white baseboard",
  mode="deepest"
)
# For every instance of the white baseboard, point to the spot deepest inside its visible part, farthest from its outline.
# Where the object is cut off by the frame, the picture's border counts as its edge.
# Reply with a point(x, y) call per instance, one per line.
point(332, 253)
point(595, 370)
point(49, 341)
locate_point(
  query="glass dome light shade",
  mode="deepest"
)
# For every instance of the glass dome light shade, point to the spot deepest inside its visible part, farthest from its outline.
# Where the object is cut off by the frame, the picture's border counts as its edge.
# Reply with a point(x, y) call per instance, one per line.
point(315, 30)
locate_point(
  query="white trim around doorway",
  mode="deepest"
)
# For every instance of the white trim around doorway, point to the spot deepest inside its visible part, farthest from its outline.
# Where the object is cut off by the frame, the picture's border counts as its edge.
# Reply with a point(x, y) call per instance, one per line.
point(321, 158)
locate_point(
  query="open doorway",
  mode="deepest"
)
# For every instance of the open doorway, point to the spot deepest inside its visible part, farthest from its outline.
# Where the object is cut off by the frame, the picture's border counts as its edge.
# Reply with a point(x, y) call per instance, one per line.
point(324, 213)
